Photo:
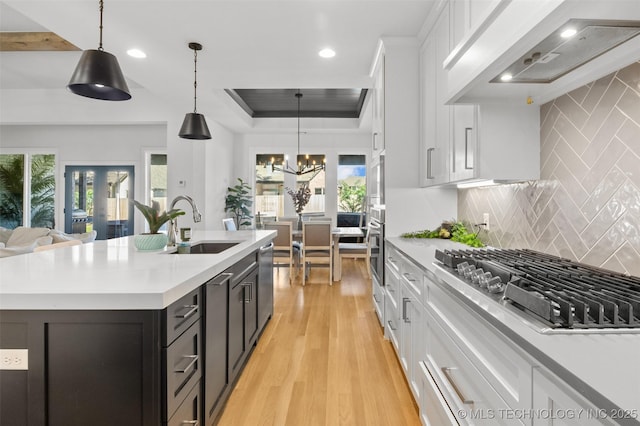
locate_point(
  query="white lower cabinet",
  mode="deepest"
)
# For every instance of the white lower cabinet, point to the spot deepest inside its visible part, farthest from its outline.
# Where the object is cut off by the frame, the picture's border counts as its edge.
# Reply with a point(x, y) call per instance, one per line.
point(378, 295)
point(434, 410)
point(554, 404)
point(391, 312)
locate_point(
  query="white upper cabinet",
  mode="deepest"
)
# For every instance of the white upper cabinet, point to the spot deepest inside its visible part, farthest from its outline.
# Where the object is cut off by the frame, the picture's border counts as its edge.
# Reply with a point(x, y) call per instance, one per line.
point(435, 116)
point(377, 138)
point(467, 142)
point(489, 36)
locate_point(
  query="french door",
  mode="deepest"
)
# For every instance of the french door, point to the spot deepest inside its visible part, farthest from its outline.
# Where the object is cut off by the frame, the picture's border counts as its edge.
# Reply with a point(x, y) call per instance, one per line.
point(99, 198)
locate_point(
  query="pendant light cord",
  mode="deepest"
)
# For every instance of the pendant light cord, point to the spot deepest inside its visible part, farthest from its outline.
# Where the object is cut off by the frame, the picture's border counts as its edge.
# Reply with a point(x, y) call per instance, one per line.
point(101, 9)
point(195, 79)
point(298, 95)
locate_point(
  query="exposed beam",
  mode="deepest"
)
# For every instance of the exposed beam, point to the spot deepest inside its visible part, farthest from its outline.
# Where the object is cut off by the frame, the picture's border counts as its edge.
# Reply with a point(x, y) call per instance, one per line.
point(34, 41)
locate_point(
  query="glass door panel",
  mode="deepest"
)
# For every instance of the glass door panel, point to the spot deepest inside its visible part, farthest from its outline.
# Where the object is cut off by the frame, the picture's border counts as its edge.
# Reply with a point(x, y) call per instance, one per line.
point(98, 199)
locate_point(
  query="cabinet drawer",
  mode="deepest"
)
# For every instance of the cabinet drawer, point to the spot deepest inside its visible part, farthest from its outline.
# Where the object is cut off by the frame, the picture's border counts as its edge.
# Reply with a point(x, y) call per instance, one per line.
point(180, 315)
point(434, 410)
point(189, 411)
point(505, 367)
point(183, 367)
point(378, 294)
point(392, 323)
point(464, 388)
point(413, 276)
point(392, 258)
point(392, 284)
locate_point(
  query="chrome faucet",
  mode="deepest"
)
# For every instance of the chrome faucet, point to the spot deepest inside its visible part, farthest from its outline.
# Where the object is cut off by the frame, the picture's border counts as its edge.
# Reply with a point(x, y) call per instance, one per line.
point(172, 228)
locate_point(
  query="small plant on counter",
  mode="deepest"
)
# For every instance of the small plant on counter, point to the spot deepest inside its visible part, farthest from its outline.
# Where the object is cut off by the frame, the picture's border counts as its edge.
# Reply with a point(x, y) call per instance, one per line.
point(154, 217)
point(455, 231)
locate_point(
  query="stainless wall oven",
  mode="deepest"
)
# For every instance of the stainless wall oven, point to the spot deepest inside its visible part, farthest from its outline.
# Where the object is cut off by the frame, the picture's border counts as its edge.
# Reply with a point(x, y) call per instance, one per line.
point(376, 230)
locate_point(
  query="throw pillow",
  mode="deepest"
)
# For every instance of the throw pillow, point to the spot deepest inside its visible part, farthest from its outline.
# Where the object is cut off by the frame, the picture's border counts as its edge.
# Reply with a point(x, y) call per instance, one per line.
point(22, 236)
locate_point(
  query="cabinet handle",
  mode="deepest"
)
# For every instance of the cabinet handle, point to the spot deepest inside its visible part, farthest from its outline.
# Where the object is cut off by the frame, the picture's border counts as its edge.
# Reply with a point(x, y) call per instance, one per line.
point(429, 174)
point(189, 422)
point(447, 375)
point(409, 277)
point(221, 279)
point(192, 310)
point(466, 148)
point(391, 326)
point(375, 297)
point(250, 285)
point(405, 300)
point(194, 359)
point(375, 141)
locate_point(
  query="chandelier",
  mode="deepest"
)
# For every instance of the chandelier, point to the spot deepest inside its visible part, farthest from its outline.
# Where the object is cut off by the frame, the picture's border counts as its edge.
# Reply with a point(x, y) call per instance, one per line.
point(305, 167)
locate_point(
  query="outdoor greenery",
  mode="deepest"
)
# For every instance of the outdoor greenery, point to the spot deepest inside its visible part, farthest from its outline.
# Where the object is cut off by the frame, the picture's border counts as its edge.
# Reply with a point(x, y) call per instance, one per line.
point(351, 197)
point(154, 217)
point(12, 190)
point(238, 202)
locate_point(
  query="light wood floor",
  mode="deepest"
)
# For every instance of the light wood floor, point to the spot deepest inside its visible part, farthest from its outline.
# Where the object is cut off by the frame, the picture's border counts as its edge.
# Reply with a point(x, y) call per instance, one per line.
point(322, 359)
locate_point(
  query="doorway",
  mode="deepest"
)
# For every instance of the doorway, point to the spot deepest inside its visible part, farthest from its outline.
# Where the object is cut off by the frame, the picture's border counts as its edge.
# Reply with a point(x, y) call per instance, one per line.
point(99, 198)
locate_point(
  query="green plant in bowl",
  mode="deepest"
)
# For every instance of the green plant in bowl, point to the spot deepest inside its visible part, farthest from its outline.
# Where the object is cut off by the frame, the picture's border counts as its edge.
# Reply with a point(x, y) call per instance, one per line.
point(154, 217)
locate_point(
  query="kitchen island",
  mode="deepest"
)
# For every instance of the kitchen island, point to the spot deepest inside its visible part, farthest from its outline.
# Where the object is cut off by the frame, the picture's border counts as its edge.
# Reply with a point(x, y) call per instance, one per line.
point(103, 334)
point(513, 373)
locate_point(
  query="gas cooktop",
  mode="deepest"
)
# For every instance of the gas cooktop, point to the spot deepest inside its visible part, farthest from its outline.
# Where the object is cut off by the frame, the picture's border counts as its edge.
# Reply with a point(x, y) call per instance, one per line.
point(561, 293)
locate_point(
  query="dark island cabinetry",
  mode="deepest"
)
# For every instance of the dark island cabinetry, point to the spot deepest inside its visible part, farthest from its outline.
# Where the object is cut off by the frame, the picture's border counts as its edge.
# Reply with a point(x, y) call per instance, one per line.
point(134, 367)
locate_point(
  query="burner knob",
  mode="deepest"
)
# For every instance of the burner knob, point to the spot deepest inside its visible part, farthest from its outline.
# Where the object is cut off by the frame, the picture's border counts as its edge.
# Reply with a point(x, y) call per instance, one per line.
point(475, 277)
point(495, 285)
point(461, 267)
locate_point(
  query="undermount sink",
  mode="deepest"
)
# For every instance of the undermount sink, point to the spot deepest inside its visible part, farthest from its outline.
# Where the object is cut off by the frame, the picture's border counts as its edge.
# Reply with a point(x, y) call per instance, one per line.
point(209, 247)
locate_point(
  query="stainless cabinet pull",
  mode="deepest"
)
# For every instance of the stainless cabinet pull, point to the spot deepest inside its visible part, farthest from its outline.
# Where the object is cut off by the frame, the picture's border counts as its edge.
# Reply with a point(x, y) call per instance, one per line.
point(222, 278)
point(192, 310)
point(375, 297)
point(466, 148)
point(405, 318)
point(250, 285)
point(409, 277)
point(391, 326)
point(429, 157)
point(447, 374)
point(194, 359)
point(375, 141)
point(189, 422)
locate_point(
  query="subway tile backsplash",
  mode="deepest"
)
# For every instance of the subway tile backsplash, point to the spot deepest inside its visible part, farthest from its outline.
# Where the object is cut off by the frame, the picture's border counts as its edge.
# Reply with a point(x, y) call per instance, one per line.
point(586, 205)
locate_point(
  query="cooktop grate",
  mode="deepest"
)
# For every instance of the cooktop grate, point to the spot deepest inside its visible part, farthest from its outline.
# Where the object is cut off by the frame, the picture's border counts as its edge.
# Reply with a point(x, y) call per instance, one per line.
point(561, 292)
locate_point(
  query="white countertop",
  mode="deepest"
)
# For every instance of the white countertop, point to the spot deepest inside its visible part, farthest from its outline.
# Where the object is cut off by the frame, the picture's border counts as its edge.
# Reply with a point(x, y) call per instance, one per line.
point(112, 274)
point(608, 364)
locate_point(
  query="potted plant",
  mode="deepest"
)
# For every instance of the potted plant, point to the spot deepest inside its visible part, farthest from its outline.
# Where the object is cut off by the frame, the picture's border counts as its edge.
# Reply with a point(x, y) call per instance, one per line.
point(238, 201)
point(154, 240)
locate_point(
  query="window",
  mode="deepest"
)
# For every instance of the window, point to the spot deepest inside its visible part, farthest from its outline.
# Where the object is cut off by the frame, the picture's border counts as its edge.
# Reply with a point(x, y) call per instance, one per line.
point(38, 202)
point(352, 183)
point(316, 182)
point(157, 182)
point(269, 200)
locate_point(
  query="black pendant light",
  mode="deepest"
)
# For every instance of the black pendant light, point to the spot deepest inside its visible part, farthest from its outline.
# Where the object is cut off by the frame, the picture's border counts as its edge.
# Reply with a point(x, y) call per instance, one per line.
point(194, 125)
point(98, 74)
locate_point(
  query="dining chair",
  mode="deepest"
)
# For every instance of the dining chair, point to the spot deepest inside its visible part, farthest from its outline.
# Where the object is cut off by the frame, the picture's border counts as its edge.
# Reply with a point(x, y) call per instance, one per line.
point(229, 224)
point(284, 252)
point(357, 251)
point(317, 247)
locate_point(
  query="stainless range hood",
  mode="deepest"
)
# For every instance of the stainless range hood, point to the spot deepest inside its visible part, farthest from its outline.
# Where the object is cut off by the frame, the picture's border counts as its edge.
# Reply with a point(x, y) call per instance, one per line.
point(575, 43)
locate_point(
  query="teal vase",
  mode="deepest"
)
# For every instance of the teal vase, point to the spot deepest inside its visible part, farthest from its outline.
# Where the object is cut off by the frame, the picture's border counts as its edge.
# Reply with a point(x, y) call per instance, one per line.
point(150, 242)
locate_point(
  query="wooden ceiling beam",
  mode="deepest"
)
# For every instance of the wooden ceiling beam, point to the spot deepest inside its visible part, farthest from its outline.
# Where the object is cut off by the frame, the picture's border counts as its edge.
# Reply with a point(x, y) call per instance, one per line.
point(33, 41)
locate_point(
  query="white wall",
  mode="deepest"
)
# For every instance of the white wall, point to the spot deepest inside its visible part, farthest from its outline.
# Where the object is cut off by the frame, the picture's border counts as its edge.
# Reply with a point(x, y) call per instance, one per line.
point(330, 144)
point(206, 169)
point(88, 145)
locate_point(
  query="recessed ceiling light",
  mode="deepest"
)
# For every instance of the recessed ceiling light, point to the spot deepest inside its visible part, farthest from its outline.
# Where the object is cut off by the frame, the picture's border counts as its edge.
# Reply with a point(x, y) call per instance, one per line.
point(136, 53)
point(327, 53)
point(569, 32)
point(506, 77)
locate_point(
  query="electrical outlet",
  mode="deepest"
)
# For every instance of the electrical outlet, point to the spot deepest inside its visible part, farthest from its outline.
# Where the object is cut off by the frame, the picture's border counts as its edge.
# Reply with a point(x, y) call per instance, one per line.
point(14, 359)
point(485, 220)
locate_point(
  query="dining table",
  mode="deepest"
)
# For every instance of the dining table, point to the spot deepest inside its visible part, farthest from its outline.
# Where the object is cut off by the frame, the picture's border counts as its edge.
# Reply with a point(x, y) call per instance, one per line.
point(337, 233)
